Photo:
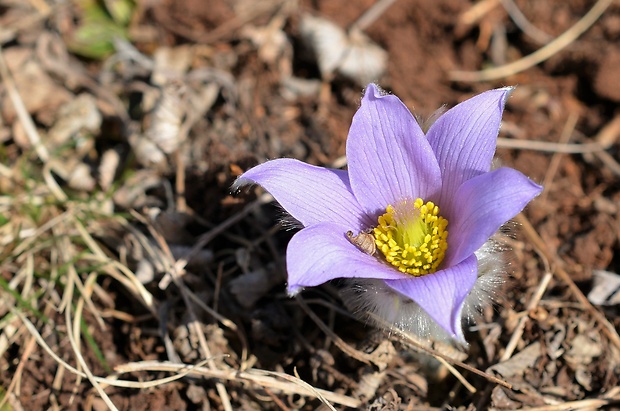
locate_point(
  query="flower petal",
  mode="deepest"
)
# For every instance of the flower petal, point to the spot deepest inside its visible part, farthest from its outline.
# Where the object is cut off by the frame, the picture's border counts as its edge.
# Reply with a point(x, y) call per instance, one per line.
point(483, 204)
point(465, 137)
point(442, 294)
point(322, 252)
point(309, 193)
point(388, 155)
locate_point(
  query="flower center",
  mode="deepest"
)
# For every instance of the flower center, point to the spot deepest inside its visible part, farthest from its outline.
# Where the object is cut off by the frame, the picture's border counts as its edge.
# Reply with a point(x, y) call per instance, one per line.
point(412, 236)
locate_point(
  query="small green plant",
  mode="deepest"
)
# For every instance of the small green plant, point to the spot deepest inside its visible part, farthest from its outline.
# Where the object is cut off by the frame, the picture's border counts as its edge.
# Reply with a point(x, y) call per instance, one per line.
point(100, 23)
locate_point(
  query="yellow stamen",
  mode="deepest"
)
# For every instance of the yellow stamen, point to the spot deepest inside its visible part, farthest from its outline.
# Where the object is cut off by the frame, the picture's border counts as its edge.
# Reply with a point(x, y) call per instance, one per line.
point(412, 236)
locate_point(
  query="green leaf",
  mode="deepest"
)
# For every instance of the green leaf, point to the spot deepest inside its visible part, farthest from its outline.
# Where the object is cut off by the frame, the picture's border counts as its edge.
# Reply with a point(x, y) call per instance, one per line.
point(6, 406)
point(120, 10)
point(94, 37)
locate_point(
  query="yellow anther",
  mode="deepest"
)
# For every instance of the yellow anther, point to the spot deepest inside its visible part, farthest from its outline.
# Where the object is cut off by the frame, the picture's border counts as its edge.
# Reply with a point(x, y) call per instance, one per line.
point(412, 236)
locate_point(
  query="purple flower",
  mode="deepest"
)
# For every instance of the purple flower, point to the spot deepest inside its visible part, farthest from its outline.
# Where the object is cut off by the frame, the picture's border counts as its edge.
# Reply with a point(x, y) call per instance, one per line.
point(411, 211)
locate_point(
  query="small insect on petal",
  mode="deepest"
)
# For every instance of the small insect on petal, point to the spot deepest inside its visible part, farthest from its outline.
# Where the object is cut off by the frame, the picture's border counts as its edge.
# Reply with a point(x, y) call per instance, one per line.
point(365, 241)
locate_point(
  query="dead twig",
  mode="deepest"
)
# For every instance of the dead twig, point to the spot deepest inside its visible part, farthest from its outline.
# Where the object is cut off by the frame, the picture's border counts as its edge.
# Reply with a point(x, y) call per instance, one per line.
point(339, 342)
point(458, 375)
point(408, 340)
point(567, 132)
point(607, 136)
point(368, 359)
point(181, 263)
point(228, 28)
point(559, 271)
point(277, 400)
point(518, 332)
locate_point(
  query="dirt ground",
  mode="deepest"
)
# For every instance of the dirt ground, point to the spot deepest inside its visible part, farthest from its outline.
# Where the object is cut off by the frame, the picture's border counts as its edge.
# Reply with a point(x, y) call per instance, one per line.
point(131, 276)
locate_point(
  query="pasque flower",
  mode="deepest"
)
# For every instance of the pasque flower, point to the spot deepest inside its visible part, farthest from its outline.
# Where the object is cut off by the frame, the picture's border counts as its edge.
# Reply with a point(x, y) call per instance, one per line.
point(409, 219)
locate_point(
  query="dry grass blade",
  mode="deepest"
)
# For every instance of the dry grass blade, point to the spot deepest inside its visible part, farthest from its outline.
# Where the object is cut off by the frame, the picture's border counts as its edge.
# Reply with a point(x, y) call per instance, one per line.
point(30, 128)
point(611, 398)
point(194, 325)
point(260, 377)
point(372, 14)
point(74, 339)
point(111, 380)
point(22, 113)
point(550, 147)
point(299, 381)
point(28, 242)
point(81, 288)
point(610, 162)
point(28, 349)
point(477, 11)
point(539, 55)
point(523, 23)
point(115, 269)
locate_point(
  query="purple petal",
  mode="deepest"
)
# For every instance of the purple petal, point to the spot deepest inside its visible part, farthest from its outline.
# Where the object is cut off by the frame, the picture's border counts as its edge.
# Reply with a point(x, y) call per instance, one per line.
point(309, 193)
point(322, 252)
point(389, 157)
point(464, 138)
point(482, 205)
point(441, 294)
